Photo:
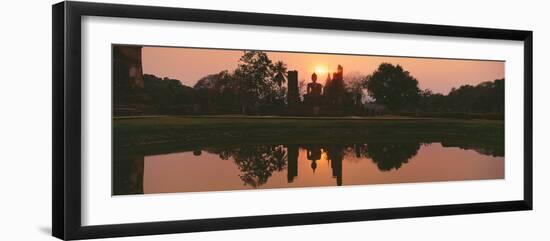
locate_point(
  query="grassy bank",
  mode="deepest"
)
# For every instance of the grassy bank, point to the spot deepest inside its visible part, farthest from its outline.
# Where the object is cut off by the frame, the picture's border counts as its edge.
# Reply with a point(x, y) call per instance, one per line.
point(156, 133)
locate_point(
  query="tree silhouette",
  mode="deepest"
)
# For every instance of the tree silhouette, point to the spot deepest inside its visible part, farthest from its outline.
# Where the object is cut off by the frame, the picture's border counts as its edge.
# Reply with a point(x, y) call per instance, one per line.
point(392, 86)
point(166, 94)
point(280, 70)
point(484, 97)
point(355, 83)
point(255, 72)
point(256, 81)
point(431, 102)
point(217, 92)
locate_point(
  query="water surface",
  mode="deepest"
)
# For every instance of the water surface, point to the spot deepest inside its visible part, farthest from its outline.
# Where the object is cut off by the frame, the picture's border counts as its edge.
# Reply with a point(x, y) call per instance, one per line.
point(241, 167)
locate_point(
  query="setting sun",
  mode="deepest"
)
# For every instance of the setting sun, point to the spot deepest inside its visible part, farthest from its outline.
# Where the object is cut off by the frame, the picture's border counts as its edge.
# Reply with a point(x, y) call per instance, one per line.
point(321, 69)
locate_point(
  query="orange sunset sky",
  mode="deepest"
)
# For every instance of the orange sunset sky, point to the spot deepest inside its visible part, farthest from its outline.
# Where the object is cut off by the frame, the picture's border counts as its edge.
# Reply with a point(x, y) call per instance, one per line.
point(439, 75)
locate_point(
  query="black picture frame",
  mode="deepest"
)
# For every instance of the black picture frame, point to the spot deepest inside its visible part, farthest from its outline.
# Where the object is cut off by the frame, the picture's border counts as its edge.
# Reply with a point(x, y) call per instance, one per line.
point(66, 169)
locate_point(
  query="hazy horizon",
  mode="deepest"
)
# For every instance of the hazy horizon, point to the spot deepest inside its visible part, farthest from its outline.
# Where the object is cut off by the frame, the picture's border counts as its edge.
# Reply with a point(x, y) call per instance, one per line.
point(439, 75)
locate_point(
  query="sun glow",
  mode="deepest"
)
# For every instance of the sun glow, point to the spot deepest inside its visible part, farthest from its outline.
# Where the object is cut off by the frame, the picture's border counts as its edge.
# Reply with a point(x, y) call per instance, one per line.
point(320, 70)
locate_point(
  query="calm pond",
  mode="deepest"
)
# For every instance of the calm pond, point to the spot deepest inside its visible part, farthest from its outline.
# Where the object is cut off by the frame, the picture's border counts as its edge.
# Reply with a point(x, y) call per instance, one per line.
point(308, 165)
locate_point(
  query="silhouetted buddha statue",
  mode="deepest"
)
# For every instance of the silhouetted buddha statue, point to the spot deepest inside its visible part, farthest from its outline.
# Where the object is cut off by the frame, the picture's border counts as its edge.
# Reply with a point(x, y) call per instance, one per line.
point(313, 95)
point(314, 89)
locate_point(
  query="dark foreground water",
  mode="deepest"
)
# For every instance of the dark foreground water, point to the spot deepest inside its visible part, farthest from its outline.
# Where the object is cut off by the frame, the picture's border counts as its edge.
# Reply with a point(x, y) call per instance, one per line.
point(241, 167)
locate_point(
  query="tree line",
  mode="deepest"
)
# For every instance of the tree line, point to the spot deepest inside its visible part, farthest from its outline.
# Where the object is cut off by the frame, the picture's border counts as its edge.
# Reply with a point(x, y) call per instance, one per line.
point(256, 86)
point(396, 88)
point(257, 82)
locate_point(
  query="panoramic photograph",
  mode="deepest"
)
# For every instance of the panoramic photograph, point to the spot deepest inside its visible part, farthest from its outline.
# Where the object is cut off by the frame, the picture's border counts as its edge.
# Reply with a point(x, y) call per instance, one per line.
point(201, 119)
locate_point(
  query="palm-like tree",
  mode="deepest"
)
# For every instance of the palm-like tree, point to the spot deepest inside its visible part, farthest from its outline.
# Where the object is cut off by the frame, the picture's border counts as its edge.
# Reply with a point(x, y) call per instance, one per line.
point(280, 70)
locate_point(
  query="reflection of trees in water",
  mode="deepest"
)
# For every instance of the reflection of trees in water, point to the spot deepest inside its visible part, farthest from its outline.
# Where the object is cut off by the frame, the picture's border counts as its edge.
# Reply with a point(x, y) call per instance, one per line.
point(256, 162)
point(128, 173)
point(388, 156)
point(356, 152)
point(488, 151)
point(493, 150)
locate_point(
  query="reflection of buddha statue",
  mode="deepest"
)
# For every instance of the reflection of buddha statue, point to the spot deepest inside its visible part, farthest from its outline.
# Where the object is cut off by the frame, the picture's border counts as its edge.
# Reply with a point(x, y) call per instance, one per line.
point(314, 165)
point(313, 154)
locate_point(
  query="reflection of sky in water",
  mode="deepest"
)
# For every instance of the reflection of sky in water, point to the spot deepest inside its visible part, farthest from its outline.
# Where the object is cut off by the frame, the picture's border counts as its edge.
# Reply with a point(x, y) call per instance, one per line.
point(215, 170)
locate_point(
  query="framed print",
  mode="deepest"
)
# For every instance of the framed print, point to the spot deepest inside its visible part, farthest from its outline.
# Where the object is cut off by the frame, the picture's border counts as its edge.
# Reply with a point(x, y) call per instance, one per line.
point(169, 120)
